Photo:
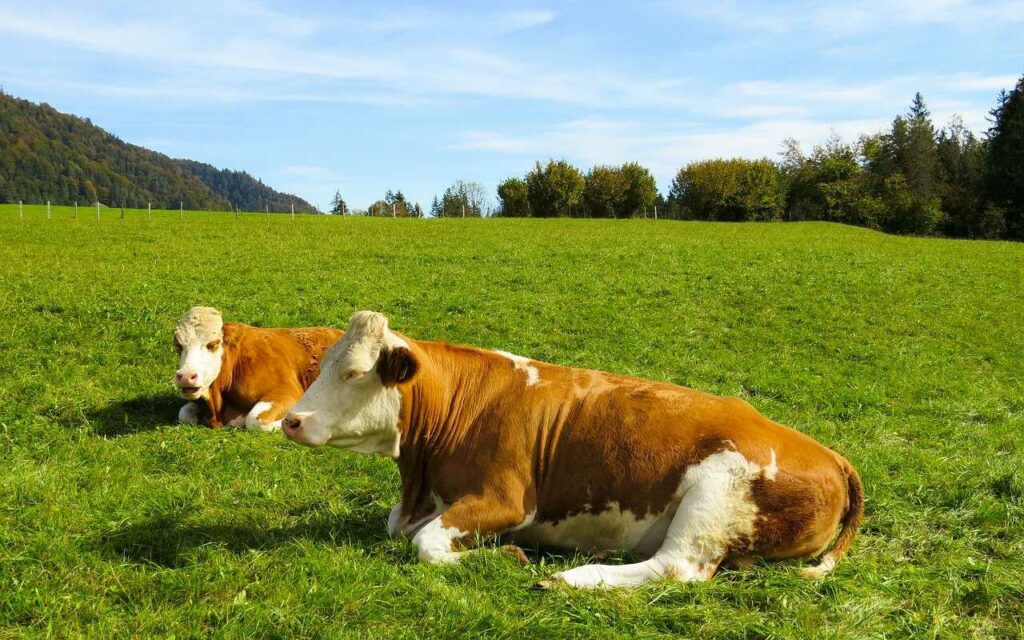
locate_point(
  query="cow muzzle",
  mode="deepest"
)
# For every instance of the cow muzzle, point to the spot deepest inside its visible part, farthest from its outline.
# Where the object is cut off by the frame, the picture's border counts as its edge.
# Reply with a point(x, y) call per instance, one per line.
point(188, 384)
point(300, 428)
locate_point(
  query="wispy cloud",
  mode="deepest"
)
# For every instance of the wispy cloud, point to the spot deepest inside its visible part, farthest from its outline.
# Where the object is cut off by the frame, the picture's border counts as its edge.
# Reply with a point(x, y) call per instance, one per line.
point(663, 148)
point(397, 74)
point(525, 19)
point(847, 17)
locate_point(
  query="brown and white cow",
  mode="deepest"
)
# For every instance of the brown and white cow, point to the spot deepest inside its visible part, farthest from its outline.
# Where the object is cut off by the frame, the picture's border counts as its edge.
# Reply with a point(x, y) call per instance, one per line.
point(487, 443)
point(238, 375)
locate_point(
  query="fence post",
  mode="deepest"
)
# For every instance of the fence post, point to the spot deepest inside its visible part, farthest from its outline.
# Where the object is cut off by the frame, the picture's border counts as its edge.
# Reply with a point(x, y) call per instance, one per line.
point(149, 209)
point(97, 209)
point(267, 210)
point(393, 210)
point(293, 211)
point(655, 212)
point(76, 209)
point(21, 209)
point(181, 209)
point(47, 209)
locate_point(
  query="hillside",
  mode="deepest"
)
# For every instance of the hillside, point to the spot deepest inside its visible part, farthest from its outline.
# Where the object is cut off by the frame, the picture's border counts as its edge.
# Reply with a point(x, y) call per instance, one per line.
point(49, 155)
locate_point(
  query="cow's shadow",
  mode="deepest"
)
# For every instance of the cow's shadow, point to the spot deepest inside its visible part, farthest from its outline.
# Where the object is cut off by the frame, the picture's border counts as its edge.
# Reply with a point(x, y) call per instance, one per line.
point(141, 413)
point(169, 541)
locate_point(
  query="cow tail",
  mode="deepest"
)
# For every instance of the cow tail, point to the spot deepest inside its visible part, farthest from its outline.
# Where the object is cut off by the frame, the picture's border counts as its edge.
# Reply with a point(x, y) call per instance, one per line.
point(850, 522)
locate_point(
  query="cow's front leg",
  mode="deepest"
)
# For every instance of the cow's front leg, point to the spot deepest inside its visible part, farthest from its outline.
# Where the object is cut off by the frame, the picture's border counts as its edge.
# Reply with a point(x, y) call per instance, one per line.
point(395, 519)
point(190, 413)
point(266, 415)
point(445, 538)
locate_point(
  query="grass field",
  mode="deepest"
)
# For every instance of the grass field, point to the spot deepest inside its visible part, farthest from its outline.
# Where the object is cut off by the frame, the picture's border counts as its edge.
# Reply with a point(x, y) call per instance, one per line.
point(904, 354)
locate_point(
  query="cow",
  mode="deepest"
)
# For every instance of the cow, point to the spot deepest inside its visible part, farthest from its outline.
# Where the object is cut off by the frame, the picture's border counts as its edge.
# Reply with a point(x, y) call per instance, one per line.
point(493, 443)
point(237, 375)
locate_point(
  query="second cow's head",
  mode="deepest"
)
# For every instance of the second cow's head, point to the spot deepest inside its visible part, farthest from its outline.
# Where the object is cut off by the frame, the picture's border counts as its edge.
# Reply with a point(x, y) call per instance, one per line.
point(199, 339)
point(355, 402)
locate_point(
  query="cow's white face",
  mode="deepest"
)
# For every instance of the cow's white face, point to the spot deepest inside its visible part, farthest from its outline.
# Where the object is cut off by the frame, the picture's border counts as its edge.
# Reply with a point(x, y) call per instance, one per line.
point(199, 339)
point(354, 404)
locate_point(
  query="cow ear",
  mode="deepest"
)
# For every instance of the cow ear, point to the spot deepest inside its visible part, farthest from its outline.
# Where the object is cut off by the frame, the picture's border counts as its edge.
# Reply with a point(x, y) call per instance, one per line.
point(396, 365)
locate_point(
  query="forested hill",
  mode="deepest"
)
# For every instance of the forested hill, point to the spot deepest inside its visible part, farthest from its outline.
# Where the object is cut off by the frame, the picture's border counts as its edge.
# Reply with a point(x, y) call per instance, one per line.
point(48, 155)
point(244, 191)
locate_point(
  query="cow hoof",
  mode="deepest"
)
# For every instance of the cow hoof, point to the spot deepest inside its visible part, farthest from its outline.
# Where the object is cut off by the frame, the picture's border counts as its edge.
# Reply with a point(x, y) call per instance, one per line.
point(600, 555)
point(547, 584)
point(518, 554)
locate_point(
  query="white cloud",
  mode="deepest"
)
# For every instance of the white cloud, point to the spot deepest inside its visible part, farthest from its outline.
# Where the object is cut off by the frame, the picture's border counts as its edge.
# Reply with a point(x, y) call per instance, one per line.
point(848, 17)
point(525, 19)
point(399, 73)
point(973, 82)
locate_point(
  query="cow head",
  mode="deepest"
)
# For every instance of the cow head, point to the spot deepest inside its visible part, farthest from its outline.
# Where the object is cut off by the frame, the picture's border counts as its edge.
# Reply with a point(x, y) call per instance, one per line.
point(199, 339)
point(354, 403)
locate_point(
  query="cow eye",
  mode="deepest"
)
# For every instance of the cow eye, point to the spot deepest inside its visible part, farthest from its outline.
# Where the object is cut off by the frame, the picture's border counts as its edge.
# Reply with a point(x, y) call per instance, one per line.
point(352, 375)
point(177, 346)
point(212, 346)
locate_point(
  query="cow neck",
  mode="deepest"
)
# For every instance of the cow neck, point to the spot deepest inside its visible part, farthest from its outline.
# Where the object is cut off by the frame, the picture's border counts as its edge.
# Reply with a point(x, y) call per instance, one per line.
point(230, 360)
point(434, 418)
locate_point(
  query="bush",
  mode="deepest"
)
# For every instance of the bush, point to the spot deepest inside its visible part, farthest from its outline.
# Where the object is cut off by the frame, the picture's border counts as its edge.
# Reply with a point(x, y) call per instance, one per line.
point(604, 192)
point(734, 190)
point(515, 198)
point(555, 190)
point(906, 213)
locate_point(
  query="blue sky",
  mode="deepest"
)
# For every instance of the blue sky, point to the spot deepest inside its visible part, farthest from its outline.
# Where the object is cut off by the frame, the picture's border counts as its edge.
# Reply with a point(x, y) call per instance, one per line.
point(363, 97)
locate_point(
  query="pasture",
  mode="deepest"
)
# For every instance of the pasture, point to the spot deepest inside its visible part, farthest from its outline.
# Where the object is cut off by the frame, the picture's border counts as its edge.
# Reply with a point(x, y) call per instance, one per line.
point(904, 354)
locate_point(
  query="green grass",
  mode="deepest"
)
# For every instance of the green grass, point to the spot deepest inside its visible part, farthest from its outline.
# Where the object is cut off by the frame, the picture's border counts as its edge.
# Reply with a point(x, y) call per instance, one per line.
point(904, 354)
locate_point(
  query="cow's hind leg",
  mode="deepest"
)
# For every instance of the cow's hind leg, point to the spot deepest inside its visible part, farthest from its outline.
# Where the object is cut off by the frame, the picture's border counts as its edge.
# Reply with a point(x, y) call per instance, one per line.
point(716, 511)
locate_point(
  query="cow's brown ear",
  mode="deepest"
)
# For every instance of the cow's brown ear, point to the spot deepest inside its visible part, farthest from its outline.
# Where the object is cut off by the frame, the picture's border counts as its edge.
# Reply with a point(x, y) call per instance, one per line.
point(396, 365)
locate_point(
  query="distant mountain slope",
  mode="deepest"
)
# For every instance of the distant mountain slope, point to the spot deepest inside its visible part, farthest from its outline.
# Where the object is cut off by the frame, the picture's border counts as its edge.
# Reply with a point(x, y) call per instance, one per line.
point(48, 155)
point(241, 189)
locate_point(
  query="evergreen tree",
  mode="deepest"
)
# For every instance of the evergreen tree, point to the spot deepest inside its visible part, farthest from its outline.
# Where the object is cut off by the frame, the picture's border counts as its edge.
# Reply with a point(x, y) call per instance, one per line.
point(962, 174)
point(338, 206)
point(1004, 177)
point(903, 168)
point(917, 150)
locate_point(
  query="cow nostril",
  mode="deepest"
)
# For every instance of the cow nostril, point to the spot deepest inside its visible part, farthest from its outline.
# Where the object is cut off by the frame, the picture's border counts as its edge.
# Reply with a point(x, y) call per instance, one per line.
point(292, 423)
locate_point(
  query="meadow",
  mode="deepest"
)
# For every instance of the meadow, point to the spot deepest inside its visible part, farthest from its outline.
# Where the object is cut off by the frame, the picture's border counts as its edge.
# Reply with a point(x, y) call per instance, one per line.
point(904, 354)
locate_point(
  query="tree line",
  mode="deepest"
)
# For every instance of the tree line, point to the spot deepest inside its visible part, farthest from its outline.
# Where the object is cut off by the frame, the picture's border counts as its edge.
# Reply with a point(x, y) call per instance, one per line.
point(912, 178)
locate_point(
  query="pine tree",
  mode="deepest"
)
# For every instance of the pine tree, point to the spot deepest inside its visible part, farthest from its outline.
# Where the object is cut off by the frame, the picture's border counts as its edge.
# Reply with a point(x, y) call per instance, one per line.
point(338, 206)
point(1004, 178)
point(918, 152)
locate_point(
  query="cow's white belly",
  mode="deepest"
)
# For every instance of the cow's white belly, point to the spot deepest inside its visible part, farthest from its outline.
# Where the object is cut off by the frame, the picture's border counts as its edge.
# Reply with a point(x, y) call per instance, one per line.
point(612, 529)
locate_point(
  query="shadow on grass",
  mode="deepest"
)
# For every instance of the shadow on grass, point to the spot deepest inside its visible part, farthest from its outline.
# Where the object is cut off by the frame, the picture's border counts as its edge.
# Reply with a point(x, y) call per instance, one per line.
point(168, 542)
point(142, 413)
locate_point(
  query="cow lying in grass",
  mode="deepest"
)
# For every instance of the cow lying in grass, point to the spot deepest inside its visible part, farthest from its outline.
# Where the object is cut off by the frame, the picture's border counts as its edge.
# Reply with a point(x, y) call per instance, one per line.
point(489, 443)
point(236, 375)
